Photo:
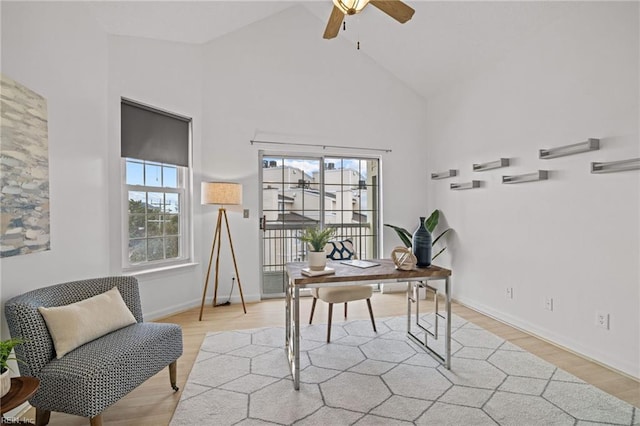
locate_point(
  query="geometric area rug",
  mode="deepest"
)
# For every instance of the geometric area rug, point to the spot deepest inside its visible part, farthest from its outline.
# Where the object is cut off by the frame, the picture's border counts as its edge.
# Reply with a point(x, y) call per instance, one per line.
point(365, 378)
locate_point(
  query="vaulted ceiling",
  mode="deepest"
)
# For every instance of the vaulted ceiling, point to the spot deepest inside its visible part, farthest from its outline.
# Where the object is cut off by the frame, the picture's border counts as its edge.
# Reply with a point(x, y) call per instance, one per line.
point(444, 42)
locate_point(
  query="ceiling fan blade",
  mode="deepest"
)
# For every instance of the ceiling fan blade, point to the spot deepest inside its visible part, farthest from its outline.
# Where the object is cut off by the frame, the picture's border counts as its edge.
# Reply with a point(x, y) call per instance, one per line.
point(333, 26)
point(394, 8)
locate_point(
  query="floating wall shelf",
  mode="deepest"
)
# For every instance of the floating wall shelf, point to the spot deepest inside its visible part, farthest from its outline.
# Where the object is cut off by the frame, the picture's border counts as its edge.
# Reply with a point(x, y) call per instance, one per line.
point(444, 175)
point(465, 185)
point(576, 148)
point(503, 162)
point(529, 177)
point(616, 166)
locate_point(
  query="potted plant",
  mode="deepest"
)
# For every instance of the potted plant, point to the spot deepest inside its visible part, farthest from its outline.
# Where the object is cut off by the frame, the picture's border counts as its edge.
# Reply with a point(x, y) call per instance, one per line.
point(316, 239)
point(430, 223)
point(6, 346)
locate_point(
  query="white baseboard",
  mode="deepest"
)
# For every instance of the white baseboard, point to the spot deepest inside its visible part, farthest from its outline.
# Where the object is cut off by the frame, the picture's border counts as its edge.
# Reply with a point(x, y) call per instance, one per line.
point(235, 299)
point(181, 307)
point(393, 287)
point(170, 310)
point(596, 355)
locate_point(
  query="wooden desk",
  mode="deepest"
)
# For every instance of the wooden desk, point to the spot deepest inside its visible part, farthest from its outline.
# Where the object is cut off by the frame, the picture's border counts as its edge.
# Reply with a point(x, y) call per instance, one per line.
point(22, 388)
point(350, 275)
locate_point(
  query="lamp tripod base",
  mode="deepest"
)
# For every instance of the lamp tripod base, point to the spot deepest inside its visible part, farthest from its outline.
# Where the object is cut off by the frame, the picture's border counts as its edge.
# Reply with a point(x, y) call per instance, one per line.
point(217, 237)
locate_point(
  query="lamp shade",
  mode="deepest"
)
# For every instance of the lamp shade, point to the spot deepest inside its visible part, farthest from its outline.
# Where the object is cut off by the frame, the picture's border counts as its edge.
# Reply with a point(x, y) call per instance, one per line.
point(350, 7)
point(224, 193)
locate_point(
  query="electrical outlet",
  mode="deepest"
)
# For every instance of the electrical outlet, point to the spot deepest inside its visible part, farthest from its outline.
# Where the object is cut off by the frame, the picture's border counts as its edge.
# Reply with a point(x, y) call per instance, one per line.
point(602, 319)
point(245, 213)
point(509, 293)
point(548, 303)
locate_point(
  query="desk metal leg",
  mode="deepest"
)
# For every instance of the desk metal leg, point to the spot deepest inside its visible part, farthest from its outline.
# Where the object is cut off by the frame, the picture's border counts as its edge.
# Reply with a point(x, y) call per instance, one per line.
point(296, 338)
point(292, 332)
point(447, 340)
point(409, 300)
point(287, 315)
point(414, 286)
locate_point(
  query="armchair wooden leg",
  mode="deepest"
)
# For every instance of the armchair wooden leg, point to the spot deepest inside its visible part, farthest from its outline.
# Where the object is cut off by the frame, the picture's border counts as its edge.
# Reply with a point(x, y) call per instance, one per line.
point(96, 420)
point(173, 374)
point(42, 417)
point(313, 308)
point(373, 321)
point(329, 324)
point(345, 310)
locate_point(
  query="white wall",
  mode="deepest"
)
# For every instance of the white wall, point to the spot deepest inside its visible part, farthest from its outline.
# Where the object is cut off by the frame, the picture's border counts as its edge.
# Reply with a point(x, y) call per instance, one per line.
point(278, 80)
point(264, 77)
point(55, 51)
point(575, 237)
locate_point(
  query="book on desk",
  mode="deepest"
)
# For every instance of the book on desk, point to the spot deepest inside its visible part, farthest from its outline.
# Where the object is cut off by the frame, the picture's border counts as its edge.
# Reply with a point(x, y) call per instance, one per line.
point(360, 263)
point(310, 273)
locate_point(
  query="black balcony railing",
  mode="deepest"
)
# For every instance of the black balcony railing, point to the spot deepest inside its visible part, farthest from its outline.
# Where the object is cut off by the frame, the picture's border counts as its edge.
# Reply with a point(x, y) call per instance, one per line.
point(281, 245)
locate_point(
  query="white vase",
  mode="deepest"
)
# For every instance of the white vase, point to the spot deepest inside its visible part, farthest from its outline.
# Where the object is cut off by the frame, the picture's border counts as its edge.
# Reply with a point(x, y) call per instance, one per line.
point(317, 260)
point(5, 383)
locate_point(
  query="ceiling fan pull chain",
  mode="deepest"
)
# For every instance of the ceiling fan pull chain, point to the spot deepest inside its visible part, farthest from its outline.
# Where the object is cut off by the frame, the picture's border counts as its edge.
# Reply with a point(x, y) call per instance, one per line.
point(359, 27)
point(344, 25)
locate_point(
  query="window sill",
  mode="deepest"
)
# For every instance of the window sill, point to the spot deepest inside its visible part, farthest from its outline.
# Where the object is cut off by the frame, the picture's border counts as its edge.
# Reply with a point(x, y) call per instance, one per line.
point(161, 270)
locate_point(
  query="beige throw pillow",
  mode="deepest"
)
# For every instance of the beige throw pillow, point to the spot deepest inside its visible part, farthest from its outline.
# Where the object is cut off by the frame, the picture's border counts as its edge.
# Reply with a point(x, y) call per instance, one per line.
point(74, 325)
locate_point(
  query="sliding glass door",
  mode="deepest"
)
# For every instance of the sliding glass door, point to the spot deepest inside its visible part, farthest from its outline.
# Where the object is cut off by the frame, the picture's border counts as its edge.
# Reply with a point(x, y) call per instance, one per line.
point(300, 191)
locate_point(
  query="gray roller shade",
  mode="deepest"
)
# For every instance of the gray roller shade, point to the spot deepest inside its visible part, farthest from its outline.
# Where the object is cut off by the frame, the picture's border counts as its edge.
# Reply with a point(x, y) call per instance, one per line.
point(153, 135)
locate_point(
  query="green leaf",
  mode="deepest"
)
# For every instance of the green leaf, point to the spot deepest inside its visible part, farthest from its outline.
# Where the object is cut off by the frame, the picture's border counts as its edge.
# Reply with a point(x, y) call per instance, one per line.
point(440, 236)
point(404, 235)
point(6, 346)
point(432, 221)
point(317, 238)
point(438, 254)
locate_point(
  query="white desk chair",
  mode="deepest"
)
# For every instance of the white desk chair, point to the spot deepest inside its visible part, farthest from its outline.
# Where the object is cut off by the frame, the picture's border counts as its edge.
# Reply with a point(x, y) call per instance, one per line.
point(341, 250)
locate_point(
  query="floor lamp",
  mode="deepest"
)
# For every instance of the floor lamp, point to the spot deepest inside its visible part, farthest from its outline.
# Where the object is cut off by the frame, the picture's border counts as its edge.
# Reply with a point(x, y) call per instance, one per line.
point(223, 194)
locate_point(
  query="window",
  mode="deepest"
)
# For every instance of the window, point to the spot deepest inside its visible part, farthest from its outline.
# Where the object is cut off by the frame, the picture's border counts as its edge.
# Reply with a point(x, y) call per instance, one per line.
point(302, 191)
point(156, 220)
point(155, 195)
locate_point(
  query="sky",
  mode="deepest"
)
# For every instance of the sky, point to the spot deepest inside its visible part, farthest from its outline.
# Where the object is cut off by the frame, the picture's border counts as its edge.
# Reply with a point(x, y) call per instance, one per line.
point(154, 174)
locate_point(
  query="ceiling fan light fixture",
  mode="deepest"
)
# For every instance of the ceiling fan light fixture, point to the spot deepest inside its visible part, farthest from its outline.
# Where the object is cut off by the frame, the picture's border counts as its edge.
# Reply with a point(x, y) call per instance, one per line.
point(350, 7)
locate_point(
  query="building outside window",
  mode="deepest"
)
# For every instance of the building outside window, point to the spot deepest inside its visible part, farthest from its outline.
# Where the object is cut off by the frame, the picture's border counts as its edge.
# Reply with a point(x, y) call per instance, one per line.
point(326, 191)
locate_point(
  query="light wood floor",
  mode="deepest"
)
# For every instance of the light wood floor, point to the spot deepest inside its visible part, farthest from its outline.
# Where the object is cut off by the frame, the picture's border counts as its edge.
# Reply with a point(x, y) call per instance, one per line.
point(154, 402)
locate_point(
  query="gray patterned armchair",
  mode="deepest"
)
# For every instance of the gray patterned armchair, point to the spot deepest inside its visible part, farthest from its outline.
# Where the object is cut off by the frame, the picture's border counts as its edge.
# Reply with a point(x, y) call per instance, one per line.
point(95, 375)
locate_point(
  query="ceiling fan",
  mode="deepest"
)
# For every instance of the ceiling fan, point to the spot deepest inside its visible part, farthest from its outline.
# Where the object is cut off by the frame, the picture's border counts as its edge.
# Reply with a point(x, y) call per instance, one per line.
point(394, 8)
